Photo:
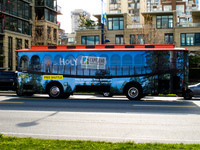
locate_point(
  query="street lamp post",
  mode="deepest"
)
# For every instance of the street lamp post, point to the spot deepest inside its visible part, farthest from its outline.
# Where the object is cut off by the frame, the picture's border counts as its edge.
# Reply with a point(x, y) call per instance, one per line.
point(102, 23)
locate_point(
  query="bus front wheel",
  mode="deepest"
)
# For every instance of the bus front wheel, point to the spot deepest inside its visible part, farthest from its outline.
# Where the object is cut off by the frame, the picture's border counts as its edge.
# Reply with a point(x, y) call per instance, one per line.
point(133, 92)
point(55, 91)
point(20, 92)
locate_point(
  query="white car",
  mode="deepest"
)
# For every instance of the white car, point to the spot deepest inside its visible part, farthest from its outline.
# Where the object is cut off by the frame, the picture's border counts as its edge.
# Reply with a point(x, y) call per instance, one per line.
point(195, 89)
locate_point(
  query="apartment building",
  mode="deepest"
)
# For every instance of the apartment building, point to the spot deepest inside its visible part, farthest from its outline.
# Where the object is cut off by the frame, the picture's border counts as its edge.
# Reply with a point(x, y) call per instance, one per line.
point(132, 7)
point(45, 27)
point(19, 28)
point(184, 8)
point(159, 28)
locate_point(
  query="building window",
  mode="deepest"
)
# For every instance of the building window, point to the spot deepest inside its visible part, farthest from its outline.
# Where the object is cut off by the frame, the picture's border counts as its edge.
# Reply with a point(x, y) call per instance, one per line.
point(54, 34)
point(164, 22)
point(90, 40)
point(190, 39)
point(10, 53)
point(119, 39)
point(169, 39)
point(17, 25)
point(49, 33)
point(70, 40)
point(18, 43)
point(116, 23)
point(180, 9)
point(18, 8)
point(26, 44)
point(167, 7)
point(138, 39)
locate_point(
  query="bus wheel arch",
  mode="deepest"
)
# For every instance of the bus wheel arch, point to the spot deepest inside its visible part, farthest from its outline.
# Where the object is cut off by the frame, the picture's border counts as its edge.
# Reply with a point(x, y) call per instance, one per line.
point(54, 89)
point(133, 91)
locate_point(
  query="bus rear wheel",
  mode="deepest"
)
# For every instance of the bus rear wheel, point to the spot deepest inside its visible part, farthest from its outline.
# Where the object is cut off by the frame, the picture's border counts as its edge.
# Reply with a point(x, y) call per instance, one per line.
point(107, 94)
point(133, 92)
point(55, 91)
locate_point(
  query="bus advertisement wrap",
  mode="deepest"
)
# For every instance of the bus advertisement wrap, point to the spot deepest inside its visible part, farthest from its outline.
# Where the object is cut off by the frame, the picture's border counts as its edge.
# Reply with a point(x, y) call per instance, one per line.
point(134, 72)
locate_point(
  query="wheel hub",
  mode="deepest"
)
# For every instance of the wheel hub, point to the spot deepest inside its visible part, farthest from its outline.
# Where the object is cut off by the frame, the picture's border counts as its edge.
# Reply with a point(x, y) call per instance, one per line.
point(55, 91)
point(133, 92)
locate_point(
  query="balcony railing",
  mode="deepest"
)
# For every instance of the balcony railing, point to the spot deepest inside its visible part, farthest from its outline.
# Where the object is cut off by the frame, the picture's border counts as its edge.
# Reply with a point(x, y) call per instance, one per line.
point(90, 28)
point(188, 25)
point(135, 26)
point(59, 9)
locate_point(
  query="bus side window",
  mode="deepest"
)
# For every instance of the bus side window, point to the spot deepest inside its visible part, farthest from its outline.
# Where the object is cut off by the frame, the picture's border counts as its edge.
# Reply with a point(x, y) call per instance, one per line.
point(24, 62)
point(35, 63)
point(139, 64)
point(115, 65)
point(126, 64)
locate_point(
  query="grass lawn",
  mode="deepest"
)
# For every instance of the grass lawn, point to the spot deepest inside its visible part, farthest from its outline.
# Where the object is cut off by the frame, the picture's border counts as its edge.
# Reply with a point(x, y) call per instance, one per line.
point(14, 143)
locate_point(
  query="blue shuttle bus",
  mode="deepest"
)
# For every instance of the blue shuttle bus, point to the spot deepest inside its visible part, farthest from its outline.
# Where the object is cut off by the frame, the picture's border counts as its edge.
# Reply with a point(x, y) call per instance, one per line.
point(132, 70)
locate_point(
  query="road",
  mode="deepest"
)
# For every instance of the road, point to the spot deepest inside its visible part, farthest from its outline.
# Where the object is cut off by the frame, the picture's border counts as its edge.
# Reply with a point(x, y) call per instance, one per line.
point(88, 117)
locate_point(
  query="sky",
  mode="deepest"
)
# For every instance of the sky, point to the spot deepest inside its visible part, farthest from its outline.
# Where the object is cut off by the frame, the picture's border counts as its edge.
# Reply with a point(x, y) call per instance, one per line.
point(91, 6)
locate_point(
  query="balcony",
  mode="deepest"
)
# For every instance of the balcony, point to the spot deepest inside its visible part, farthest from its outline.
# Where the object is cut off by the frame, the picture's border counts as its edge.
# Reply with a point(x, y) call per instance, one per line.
point(137, 26)
point(188, 25)
point(59, 10)
point(114, 1)
point(89, 28)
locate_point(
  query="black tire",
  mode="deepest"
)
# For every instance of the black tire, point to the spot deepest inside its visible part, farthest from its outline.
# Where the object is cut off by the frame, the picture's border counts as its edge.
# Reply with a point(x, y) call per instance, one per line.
point(133, 92)
point(188, 95)
point(29, 94)
point(19, 92)
point(65, 95)
point(55, 91)
point(107, 94)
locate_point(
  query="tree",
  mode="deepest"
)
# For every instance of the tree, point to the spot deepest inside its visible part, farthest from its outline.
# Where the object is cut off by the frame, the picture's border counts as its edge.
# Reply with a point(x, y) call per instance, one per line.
point(148, 34)
point(194, 61)
point(84, 22)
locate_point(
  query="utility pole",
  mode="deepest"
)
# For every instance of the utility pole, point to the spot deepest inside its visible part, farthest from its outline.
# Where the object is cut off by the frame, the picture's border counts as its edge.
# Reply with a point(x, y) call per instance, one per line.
point(102, 23)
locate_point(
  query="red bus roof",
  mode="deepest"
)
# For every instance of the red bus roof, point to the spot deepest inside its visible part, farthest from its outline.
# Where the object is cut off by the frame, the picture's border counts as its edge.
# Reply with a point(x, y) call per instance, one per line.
point(136, 47)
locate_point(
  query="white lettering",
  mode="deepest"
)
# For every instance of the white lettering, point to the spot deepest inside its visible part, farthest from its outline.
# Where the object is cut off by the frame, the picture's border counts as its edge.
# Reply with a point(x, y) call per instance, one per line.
point(75, 60)
point(62, 61)
point(68, 62)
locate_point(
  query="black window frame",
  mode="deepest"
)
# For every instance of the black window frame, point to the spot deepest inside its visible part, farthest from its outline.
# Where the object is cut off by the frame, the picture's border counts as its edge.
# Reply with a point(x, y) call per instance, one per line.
point(119, 36)
point(161, 18)
point(26, 43)
point(118, 19)
point(12, 24)
point(95, 40)
point(196, 39)
point(135, 40)
point(18, 43)
point(168, 36)
point(18, 8)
